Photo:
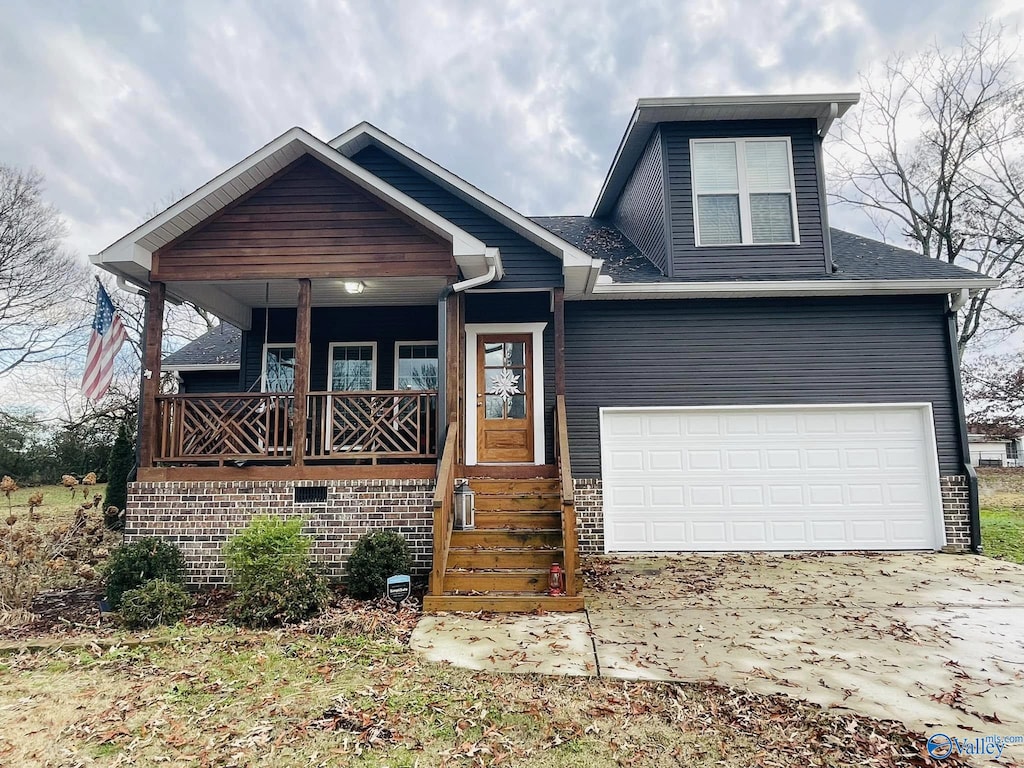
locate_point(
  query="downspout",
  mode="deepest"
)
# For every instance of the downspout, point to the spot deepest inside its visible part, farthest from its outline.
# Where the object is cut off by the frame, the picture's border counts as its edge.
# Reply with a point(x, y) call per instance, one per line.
point(493, 259)
point(974, 507)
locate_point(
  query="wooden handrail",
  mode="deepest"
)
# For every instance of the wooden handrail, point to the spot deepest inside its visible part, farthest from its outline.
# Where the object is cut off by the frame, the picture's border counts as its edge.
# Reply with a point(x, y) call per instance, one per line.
point(568, 496)
point(444, 510)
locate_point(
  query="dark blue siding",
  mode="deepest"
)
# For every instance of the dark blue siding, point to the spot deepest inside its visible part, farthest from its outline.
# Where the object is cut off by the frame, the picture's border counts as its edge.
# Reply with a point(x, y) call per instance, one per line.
point(744, 261)
point(640, 210)
point(208, 382)
point(526, 265)
point(384, 325)
point(745, 352)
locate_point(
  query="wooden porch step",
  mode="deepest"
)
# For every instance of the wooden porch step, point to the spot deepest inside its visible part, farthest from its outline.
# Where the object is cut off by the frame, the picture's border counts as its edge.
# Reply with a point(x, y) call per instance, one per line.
point(517, 581)
point(503, 603)
point(540, 538)
point(548, 503)
point(520, 519)
point(504, 558)
point(490, 486)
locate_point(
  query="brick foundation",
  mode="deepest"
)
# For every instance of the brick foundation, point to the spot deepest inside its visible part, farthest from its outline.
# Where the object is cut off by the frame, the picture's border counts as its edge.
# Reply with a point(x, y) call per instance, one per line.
point(589, 515)
point(200, 516)
point(956, 512)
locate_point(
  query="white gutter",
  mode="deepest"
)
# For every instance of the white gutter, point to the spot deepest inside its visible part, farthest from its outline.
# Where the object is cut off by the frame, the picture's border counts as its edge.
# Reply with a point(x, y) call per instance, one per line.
point(495, 271)
point(202, 367)
point(955, 305)
point(727, 289)
point(833, 113)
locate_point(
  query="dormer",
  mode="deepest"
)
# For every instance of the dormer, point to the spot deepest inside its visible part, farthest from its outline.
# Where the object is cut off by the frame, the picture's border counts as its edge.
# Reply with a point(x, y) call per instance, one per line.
point(724, 187)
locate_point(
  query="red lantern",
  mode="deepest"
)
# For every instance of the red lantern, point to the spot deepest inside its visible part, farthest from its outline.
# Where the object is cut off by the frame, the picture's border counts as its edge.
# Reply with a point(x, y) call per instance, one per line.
point(556, 580)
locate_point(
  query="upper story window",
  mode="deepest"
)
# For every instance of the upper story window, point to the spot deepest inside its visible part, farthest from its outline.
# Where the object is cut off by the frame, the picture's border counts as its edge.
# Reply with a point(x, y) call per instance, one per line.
point(743, 191)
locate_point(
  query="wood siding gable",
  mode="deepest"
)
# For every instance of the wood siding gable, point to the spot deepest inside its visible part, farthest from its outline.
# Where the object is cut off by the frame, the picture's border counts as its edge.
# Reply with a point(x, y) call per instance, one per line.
point(640, 210)
point(308, 221)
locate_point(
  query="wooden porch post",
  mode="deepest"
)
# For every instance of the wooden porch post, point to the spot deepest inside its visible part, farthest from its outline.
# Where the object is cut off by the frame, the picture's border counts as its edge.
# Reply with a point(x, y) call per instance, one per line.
point(151, 385)
point(302, 326)
point(558, 301)
point(451, 363)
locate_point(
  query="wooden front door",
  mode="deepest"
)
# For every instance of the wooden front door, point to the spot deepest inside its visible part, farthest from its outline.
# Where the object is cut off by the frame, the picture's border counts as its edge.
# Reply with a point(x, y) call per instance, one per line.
point(505, 398)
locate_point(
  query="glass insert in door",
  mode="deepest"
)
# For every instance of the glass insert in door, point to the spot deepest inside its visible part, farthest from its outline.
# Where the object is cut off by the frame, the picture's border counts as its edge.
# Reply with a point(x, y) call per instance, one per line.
point(505, 380)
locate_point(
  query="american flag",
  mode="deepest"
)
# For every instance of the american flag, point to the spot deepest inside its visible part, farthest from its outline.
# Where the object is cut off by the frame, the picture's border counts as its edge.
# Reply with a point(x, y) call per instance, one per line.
point(107, 337)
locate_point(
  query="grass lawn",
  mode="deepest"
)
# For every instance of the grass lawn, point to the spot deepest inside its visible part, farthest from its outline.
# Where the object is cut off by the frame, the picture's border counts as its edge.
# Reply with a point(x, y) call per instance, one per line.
point(292, 699)
point(1002, 513)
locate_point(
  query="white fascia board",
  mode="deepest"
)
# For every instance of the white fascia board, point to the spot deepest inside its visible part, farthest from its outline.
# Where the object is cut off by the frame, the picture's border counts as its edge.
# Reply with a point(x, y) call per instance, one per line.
point(759, 288)
point(364, 134)
point(469, 251)
point(186, 367)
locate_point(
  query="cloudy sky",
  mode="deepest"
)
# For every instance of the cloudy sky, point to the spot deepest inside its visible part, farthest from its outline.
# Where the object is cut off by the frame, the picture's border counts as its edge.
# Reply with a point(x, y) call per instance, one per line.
point(124, 106)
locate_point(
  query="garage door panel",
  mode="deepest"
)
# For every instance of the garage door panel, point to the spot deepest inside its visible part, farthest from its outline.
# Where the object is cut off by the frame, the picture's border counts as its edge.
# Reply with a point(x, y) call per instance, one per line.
point(770, 479)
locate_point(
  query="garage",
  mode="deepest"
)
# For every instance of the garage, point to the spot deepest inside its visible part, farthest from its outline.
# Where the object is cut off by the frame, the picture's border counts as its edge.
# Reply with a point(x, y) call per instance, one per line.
point(760, 478)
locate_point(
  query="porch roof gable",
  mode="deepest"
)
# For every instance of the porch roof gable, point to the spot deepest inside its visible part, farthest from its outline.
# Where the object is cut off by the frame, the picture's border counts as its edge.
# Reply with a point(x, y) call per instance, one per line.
point(131, 257)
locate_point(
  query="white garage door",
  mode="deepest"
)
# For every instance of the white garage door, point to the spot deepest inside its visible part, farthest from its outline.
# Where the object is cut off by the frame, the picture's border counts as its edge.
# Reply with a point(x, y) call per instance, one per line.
point(770, 478)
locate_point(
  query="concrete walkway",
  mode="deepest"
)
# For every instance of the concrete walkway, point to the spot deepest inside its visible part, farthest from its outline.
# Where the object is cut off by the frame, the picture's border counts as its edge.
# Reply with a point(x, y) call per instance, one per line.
point(936, 641)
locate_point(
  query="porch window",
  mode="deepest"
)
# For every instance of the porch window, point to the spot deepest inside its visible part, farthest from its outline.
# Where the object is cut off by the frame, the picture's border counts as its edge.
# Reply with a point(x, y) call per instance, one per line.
point(743, 191)
point(352, 367)
point(416, 365)
point(279, 368)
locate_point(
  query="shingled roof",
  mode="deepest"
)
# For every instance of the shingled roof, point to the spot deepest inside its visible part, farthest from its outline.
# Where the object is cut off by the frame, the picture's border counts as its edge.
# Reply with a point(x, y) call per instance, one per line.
point(855, 257)
point(219, 347)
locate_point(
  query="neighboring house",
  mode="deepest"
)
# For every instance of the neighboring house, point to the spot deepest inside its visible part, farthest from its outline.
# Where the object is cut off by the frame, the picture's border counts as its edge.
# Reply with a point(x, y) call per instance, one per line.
point(208, 364)
point(701, 364)
point(989, 450)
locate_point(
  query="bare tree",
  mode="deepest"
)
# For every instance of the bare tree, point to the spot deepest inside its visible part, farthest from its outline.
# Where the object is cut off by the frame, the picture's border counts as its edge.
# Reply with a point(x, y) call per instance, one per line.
point(994, 390)
point(935, 156)
point(41, 285)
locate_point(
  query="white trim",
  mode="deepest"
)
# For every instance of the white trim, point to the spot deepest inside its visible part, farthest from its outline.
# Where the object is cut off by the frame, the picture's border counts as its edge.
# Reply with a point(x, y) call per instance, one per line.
point(267, 346)
point(202, 367)
point(826, 287)
point(473, 330)
point(743, 192)
point(330, 362)
point(932, 462)
point(432, 342)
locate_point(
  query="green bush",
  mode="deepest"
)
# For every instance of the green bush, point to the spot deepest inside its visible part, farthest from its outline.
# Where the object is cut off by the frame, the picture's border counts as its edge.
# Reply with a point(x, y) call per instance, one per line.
point(131, 565)
point(119, 468)
point(274, 578)
point(375, 557)
point(156, 602)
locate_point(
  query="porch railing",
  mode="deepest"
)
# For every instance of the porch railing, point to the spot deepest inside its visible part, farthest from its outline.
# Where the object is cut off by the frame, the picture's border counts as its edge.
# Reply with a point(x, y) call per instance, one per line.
point(372, 425)
point(230, 427)
point(444, 510)
point(339, 427)
point(568, 496)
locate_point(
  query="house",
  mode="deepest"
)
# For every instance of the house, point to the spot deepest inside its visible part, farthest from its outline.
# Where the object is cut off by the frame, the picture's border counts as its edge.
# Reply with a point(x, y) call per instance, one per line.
point(988, 449)
point(701, 364)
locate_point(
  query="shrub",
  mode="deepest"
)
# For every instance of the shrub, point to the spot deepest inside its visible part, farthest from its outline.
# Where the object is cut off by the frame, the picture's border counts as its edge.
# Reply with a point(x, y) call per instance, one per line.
point(132, 565)
point(119, 468)
point(155, 602)
point(375, 557)
point(274, 579)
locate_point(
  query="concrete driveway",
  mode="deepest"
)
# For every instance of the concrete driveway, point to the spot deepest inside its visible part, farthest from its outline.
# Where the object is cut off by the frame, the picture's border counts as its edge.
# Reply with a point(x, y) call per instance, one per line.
point(936, 641)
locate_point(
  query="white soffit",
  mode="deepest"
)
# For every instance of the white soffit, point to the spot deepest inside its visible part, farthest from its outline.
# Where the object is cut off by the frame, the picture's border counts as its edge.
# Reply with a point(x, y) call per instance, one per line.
point(821, 107)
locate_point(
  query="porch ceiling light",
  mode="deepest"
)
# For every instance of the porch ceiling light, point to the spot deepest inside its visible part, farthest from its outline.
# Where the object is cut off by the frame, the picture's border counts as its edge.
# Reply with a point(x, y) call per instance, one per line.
point(354, 286)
